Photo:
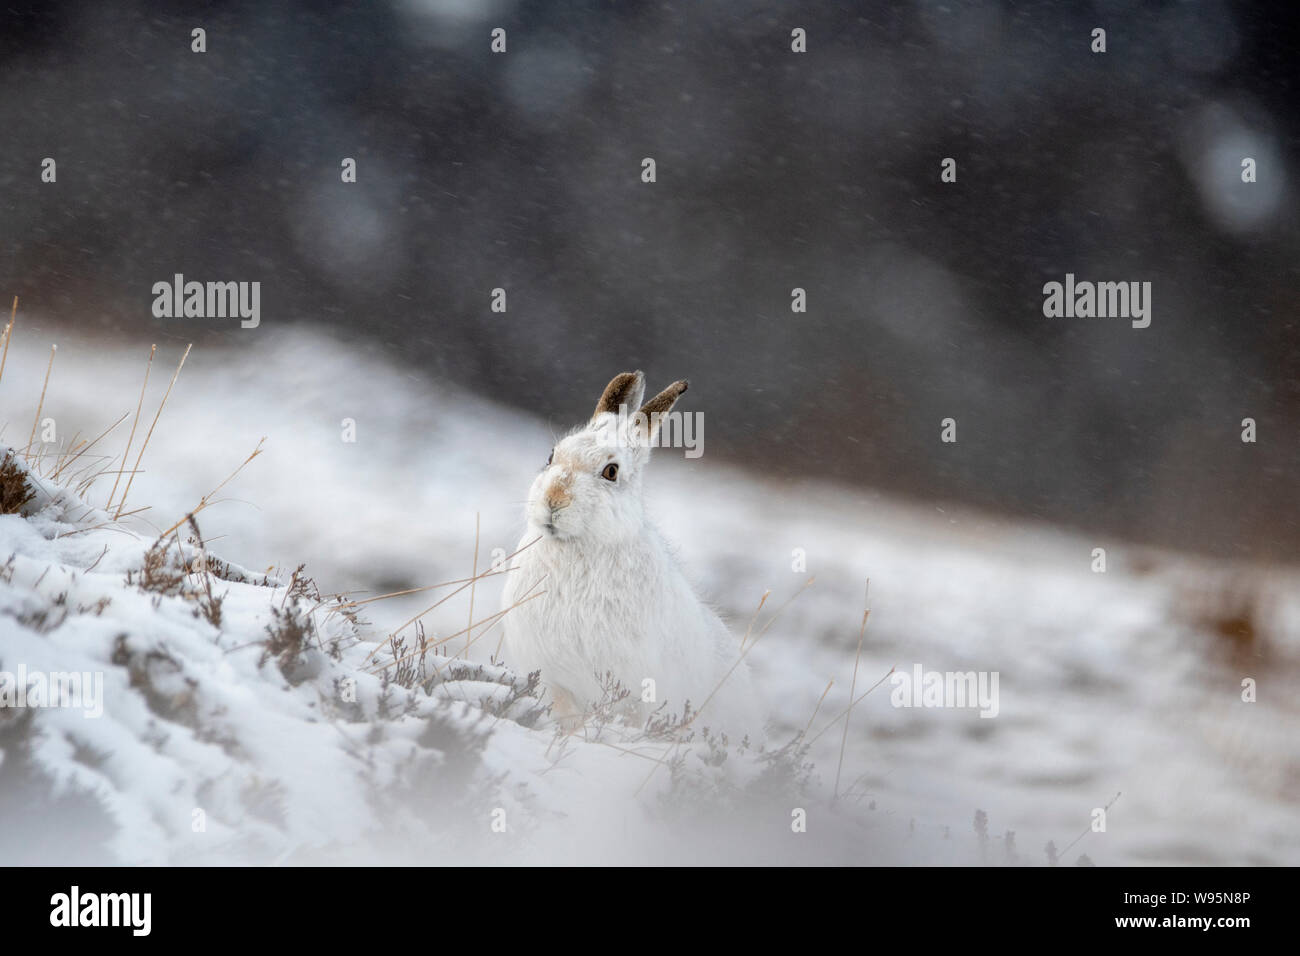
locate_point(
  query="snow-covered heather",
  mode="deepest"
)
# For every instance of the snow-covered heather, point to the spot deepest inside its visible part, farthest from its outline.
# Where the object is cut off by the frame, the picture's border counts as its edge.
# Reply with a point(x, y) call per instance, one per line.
point(235, 718)
point(1108, 682)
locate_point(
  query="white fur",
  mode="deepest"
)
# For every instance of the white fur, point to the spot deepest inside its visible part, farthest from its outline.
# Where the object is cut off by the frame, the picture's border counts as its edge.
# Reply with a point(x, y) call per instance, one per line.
point(615, 600)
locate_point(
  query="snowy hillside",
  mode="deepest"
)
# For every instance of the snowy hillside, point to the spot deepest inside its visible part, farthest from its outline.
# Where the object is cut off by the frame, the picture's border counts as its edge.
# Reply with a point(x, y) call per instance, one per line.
point(221, 715)
point(253, 702)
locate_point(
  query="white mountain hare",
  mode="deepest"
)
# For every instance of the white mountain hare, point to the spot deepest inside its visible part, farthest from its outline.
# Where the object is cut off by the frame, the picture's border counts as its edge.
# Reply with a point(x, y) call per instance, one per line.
point(615, 601)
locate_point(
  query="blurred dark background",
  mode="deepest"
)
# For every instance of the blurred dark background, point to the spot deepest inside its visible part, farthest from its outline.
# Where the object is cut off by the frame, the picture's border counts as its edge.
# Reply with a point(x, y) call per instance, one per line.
point(775, 170)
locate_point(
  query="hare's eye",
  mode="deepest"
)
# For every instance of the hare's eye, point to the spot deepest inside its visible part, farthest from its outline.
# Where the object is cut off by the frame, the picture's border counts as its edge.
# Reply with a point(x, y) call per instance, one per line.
point(610, 471)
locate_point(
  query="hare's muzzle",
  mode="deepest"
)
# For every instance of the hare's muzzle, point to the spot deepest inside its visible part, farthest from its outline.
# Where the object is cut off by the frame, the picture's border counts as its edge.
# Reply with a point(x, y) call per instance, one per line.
point(554, 497)
point(558, 495)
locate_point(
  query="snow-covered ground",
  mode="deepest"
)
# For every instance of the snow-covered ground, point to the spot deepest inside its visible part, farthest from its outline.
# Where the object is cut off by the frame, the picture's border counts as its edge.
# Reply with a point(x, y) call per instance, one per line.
point(1111, 683)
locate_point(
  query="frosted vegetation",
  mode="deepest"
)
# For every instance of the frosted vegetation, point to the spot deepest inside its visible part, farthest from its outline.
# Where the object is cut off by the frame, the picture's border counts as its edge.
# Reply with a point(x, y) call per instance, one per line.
point(256, 709)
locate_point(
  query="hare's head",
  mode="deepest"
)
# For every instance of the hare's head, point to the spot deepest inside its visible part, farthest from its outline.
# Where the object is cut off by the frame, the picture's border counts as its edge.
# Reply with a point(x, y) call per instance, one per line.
point(590, 487)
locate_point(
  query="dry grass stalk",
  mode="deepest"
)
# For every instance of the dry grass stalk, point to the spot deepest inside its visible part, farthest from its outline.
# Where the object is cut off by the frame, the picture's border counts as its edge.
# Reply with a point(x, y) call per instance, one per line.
point(444, 600)
point(847, 710)
point(121, 504)
point(427, 587)
point(853, 687)
point(766, 627)
point(1088, 829)
point(41, 404)
point(206, 500)
point(85, 447)
point(502, 616)
point(473, 575)
point(753, 619)
point(61, 456)
point(8, 334)
point(499, 617)
point(817, 709)
point(691, 719)
point(493, 618)
point(131, 439)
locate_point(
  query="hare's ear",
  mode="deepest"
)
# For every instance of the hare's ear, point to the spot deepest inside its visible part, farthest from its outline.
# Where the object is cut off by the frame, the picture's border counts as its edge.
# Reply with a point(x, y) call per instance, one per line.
point(649, 418)
point(626, 388)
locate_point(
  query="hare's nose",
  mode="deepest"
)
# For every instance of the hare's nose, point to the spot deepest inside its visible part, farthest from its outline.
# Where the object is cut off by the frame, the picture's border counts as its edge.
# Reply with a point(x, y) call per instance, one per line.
point(558, 498)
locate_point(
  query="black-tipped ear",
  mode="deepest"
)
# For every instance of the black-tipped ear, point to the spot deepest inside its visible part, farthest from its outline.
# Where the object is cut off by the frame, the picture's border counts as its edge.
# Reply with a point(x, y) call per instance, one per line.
point(650, 416)
point(665, 400)
point(626, 388)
